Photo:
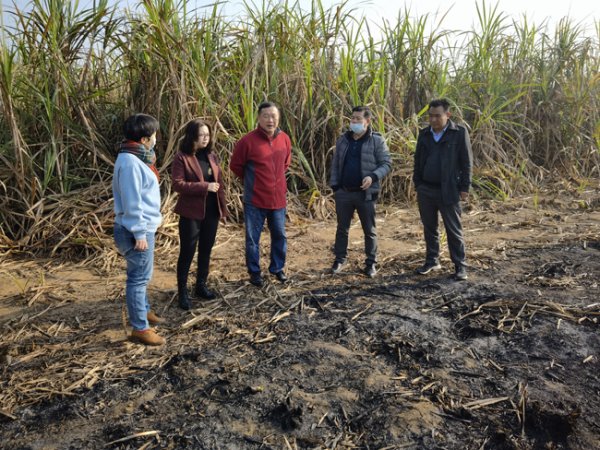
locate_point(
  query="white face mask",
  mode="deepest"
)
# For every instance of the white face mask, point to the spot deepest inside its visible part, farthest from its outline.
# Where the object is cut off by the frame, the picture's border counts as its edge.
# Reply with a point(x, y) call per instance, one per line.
point(150, 146)
point(357, 128)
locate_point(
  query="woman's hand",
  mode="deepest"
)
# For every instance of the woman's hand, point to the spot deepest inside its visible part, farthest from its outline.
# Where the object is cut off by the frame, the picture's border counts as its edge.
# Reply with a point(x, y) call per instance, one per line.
point(141, 245)
point(213, 187)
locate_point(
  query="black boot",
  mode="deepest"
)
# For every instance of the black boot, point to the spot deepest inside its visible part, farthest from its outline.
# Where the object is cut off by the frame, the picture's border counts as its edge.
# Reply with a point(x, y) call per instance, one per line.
point(184, 299)
point(203, 292)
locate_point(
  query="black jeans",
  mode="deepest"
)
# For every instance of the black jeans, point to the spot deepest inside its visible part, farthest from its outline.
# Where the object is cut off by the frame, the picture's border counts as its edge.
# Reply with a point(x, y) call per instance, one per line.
point(345, 205)
point(191, 233)
point(430, 204)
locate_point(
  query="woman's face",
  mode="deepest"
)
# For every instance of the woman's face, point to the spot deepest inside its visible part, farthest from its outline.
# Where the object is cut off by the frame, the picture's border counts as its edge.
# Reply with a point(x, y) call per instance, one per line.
point(202, 139)
point(149, 142)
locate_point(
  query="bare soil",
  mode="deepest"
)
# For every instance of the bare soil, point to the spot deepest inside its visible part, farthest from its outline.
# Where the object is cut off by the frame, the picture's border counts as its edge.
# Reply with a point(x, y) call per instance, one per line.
point(505, 360)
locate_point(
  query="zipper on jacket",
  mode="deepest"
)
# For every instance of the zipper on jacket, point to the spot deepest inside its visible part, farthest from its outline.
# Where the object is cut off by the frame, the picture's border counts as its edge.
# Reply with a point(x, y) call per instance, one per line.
point(274, 168)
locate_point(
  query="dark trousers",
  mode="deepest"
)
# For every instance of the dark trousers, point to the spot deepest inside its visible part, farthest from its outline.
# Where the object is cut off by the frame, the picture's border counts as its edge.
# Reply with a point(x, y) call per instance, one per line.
point(345, 205)
point(192, 233)
point(430, 204)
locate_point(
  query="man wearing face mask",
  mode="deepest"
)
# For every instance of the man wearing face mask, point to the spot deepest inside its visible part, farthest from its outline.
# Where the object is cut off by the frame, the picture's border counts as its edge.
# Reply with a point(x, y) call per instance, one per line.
point(360, 162)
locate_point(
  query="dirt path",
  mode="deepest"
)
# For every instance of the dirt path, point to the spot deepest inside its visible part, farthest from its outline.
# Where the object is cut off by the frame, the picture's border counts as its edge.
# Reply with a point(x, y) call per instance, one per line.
point(506, 360)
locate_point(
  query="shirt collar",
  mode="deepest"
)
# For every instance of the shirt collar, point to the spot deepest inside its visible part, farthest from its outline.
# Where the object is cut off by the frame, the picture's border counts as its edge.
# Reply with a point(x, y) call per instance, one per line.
point(441, 132)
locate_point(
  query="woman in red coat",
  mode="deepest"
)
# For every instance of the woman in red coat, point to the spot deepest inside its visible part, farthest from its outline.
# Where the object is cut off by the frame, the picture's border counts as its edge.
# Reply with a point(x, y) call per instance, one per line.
point(197, 178)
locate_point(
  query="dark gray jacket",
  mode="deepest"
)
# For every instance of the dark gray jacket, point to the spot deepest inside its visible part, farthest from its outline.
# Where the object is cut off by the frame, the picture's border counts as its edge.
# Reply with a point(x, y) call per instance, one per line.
point(456, 160)
point(375, 160)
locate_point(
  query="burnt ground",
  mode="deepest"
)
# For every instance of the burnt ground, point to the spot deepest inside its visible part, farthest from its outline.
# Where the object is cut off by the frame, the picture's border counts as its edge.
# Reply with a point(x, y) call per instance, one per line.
point(505, 360)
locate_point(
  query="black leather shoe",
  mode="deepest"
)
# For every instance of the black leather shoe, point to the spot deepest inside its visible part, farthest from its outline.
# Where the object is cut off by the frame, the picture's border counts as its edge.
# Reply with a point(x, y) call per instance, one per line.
point(184, 299)
point(256, 279)
point(203, 292)
point(371, 270)
point(281, 276)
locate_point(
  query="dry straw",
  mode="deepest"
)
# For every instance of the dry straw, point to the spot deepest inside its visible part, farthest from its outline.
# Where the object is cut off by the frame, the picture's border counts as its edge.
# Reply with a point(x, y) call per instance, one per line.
point(69, 76)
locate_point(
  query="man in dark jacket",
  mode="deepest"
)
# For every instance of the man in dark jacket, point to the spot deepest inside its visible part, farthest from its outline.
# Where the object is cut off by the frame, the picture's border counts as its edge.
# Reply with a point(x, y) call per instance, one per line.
point(442, 177)
point(360, 162)
point(261, 159)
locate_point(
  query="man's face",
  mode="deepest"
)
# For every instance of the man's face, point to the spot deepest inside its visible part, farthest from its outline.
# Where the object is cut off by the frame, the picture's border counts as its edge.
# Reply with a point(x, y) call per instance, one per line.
point(268, 120)
point(438, 118)
point(359, 117)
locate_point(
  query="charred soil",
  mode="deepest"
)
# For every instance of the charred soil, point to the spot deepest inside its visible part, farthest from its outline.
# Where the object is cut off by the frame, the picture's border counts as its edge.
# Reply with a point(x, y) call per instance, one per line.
point(505, 360)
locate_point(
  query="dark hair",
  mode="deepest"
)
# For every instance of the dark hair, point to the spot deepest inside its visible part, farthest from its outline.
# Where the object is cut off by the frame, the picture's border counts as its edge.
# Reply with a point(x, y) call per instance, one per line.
point(139, 126)
point(363, 109)
point(265, 105)
point(191, 135)
point(444, 103)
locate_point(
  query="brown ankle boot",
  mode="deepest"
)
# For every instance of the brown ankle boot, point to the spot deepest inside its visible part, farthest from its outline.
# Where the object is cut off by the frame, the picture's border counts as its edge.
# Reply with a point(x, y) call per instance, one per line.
point(154, 319)
point(148, 337)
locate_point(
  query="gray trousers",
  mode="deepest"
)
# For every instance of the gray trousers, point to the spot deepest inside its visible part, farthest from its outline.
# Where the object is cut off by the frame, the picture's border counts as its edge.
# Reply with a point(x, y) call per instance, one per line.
point(430, 203)
point(345, 205)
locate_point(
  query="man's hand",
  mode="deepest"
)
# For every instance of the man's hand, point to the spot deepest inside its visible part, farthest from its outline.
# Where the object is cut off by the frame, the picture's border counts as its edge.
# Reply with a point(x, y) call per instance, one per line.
point(366, 183)
point(464, 196)
point(213, 187)
point(141, 245)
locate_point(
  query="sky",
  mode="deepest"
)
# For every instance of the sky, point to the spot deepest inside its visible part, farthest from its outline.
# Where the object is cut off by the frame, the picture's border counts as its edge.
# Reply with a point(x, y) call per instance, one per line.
point(461, 14)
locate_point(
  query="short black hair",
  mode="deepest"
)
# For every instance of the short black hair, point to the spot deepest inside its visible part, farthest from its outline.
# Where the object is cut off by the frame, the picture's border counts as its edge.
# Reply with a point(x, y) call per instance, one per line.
point(265, 105)
point(138, 126)
point(191, 135)
point(443, 102)
point(363, 109)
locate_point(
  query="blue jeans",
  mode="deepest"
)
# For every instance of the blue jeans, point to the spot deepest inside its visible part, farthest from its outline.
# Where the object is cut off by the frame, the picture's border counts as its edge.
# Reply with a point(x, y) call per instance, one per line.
point(254, 219)
point(139, 273)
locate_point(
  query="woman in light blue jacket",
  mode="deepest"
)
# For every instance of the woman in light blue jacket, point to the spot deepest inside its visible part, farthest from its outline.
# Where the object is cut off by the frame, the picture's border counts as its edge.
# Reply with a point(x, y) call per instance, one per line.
point(137, 216)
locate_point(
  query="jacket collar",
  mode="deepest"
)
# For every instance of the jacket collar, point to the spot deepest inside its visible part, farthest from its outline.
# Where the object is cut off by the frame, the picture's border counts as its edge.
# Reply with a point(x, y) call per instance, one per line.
point(452, 125)
point(195, 165)
point(349, 134)
point(449, 126)
point(264, 134)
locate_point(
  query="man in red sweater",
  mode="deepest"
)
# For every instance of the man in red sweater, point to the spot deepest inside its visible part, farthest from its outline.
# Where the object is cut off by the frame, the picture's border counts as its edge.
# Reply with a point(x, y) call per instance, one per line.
point(261, 159)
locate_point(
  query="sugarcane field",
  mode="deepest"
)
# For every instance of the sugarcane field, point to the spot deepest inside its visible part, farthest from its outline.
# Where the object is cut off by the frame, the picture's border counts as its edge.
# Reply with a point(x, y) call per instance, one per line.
point(296, 228)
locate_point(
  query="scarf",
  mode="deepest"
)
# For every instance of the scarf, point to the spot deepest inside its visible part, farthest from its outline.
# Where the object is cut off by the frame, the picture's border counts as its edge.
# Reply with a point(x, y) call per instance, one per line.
point(146, 156)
